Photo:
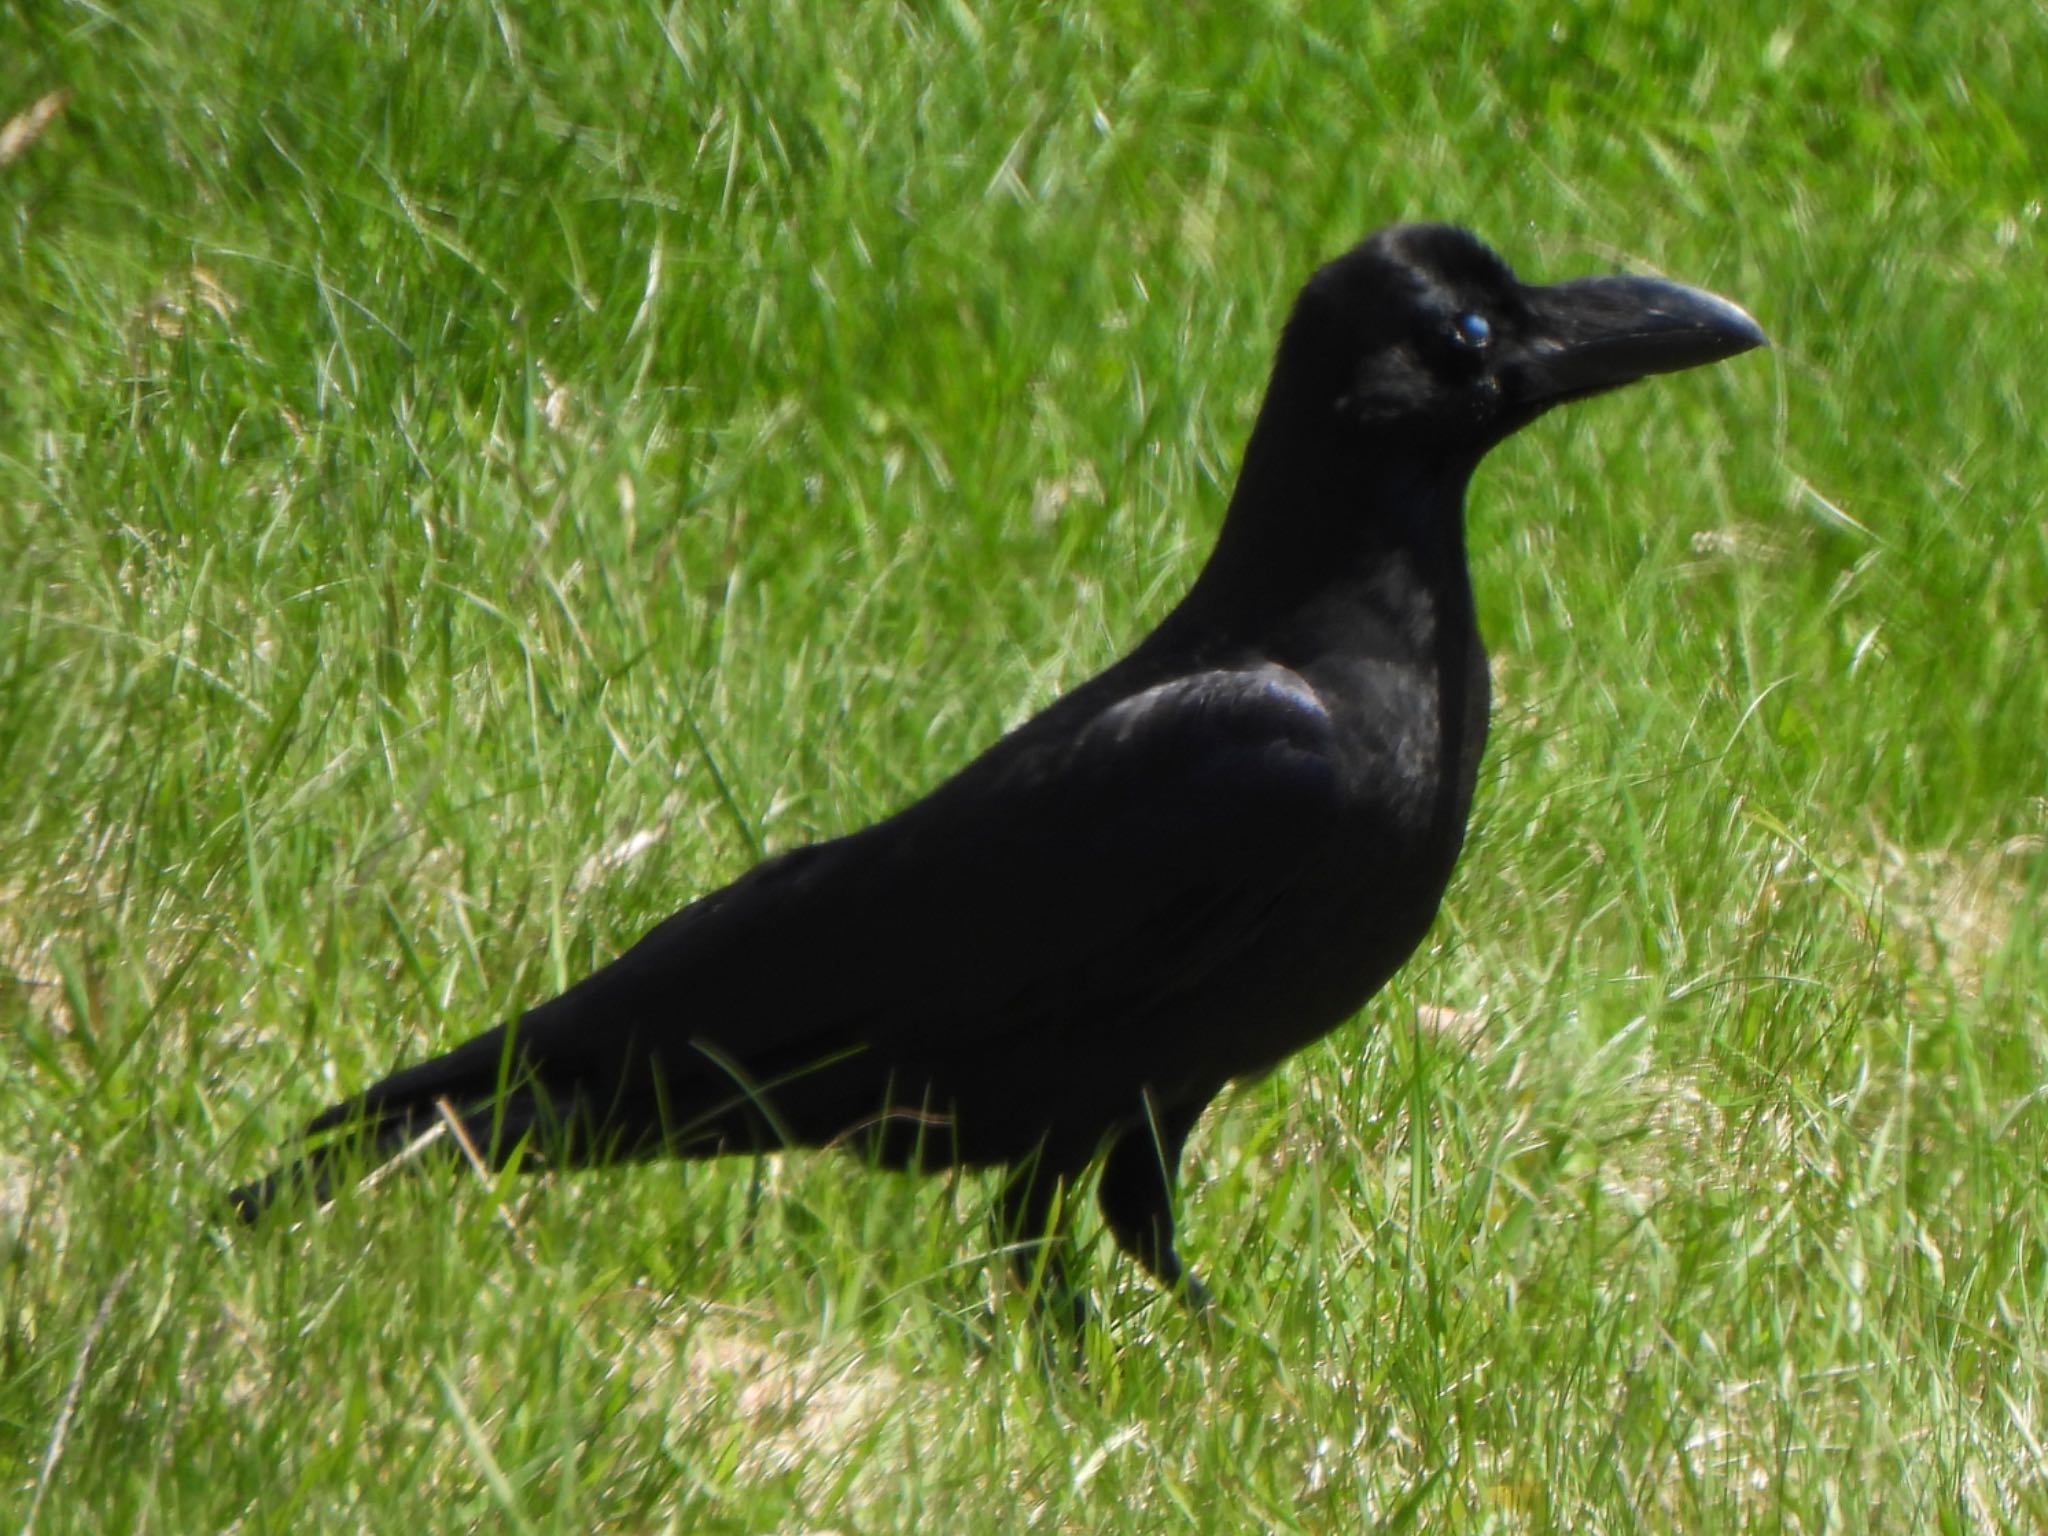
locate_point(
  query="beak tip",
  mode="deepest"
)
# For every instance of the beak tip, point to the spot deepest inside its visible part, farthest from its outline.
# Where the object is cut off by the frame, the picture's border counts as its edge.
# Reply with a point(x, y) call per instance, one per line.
point(1729, 325)
point(1744, 334)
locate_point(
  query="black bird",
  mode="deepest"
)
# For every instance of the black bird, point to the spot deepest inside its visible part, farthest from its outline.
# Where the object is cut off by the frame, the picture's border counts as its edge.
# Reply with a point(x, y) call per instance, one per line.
point(1180, 873)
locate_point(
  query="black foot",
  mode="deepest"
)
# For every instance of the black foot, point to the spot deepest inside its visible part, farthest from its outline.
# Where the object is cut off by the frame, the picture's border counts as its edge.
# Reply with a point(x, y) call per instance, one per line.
point(1136, 1196)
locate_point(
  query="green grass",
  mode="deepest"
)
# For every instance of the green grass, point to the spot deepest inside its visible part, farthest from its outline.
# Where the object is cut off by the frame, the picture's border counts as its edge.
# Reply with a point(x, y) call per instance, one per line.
point(437, 448)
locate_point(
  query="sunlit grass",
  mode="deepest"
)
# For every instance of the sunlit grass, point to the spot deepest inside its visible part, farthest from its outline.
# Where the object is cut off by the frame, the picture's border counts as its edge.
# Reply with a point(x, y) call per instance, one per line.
point(471, 479)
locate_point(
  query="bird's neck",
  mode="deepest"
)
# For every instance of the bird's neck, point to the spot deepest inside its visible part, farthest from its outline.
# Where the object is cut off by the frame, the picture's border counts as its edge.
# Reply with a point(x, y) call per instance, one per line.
point(1339, 540)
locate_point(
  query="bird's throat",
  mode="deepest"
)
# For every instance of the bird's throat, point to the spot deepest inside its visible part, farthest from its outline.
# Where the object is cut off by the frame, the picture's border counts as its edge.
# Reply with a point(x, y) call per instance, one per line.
point(1330, 542)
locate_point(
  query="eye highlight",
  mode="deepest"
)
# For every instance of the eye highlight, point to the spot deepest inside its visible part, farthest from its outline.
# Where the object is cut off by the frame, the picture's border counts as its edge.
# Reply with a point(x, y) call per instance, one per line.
point(1471, 330)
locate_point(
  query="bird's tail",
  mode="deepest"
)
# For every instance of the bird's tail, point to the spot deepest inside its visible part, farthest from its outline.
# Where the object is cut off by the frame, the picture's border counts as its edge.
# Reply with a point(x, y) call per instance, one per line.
point(478, 1091)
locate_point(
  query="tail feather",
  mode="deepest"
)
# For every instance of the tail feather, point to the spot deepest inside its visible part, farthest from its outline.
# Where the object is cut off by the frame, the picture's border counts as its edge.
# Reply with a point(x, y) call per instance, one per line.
point(471, 1071)
point(386, 1119)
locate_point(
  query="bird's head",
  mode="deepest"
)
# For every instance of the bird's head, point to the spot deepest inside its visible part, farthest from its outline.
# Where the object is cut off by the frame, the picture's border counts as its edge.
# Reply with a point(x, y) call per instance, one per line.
point(1422, 339)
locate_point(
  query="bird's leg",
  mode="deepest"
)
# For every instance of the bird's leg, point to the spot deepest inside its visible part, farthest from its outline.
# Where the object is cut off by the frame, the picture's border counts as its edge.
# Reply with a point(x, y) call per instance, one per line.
point(1136, 1195)
point(1033, 1226)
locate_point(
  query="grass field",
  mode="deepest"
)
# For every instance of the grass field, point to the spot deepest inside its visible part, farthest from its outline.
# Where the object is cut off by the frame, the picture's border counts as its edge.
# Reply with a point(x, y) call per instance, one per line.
point(473, 476)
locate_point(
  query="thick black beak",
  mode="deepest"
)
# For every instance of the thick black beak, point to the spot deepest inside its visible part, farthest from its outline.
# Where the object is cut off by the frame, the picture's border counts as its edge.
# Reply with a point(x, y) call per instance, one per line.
point(1599, 333)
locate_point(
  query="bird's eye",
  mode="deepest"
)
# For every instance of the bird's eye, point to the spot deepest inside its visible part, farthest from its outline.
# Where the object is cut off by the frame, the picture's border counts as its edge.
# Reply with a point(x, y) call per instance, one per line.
point(1471, 330)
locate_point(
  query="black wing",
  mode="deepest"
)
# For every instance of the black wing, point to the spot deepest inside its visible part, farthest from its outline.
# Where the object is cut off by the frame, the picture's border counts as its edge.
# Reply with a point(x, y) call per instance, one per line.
point(1093, 866)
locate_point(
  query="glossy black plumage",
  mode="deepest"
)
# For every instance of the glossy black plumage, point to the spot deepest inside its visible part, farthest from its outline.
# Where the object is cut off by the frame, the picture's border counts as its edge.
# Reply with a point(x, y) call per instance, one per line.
point(1179, 874)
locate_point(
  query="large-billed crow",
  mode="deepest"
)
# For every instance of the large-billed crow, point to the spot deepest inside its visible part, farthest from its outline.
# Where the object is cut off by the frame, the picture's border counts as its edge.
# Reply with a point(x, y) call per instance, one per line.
point(1183, 871)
